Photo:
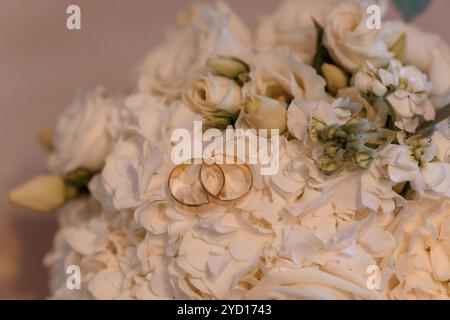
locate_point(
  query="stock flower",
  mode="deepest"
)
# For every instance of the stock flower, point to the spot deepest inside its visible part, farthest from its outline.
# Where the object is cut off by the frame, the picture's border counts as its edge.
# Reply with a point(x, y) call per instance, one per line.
point(405, 89)
point(84, 126)
point(350, 42)
point(205, 32)
point(426, 51)
point(278, 75)
point(211, 93)
point(414, 163)
point(302, 112)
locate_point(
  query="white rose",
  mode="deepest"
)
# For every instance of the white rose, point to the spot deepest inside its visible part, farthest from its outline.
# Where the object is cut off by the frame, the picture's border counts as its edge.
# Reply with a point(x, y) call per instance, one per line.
point(419, 268)
point(292, 26)
point(264, 113)
point(211, 93)
point(206, 32)
point(83, 135)
point(278, 75)
point(350, 42)
point(426, 51)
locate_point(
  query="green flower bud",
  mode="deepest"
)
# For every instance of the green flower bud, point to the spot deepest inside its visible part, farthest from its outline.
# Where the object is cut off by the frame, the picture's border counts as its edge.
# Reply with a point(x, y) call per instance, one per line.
point(358, 126)
point(218, 119)
point(329, 165)
point(329, 132)
point(364, 157)
point(332, 150)
point(316, 126)
point(228, 67)
point(354, 142)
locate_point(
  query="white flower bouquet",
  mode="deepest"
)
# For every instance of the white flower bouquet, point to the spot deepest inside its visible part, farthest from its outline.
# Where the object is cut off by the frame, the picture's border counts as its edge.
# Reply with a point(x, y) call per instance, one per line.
point(355, 204)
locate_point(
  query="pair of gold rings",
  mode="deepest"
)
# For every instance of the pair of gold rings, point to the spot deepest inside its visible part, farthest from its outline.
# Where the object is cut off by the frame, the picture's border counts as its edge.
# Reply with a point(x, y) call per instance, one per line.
point(212, 198)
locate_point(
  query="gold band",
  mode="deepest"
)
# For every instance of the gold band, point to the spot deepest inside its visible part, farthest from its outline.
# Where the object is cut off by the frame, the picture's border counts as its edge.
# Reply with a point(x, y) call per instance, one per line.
point(194, 207)
point(218, 198)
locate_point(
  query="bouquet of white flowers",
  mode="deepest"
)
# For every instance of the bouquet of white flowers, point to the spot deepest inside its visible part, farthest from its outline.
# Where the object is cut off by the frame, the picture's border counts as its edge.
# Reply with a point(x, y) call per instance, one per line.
point(351, 202)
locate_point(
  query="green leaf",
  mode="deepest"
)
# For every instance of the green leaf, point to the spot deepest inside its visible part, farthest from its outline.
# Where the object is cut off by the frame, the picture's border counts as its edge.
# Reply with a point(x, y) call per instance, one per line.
point(322, 56)
point(398, 48)
point(411, 8)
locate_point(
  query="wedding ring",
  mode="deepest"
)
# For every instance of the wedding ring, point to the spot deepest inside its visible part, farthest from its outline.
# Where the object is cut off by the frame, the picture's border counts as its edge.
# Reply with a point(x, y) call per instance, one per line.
point(220, 198)
point(194, 207)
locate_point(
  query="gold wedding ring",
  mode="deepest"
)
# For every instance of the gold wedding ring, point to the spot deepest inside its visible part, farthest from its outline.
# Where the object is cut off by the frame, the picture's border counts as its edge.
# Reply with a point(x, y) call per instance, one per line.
point(213, 199)
point(220, 198)
point(193, 207)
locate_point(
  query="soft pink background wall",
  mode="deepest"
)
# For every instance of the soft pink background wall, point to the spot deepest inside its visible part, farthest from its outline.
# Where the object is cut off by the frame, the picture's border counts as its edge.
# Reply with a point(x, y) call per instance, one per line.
point(42, 63)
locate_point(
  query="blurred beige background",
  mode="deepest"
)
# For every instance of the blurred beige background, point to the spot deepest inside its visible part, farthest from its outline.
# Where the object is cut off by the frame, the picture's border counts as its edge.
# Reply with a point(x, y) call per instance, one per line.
point(42, 63)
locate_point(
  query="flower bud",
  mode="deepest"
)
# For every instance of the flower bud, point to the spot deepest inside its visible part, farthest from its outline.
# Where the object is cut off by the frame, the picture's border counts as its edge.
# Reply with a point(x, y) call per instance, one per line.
point(218, 119)
point(358, 126)
point(228, 67)
point(44, 193)
point(332, 150)
point(264, 113)
point(315, 128)
point(329, 165)
point(378, 88)
point(364, 158)
point(335, 77)
point(362, 81)
point(329, 133)
point(354, 142)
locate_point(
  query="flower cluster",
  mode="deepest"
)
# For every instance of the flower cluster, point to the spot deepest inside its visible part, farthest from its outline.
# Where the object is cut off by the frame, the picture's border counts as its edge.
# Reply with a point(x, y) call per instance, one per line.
point(364, 164)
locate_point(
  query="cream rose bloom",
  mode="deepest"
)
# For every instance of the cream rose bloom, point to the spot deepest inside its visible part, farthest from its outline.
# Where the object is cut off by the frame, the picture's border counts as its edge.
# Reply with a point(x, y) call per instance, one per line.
point(87, 125)
point(419, 268)
point(278, 75)
point(204, 32)
point(210, 93)
point(350, 42)
point(292, 25)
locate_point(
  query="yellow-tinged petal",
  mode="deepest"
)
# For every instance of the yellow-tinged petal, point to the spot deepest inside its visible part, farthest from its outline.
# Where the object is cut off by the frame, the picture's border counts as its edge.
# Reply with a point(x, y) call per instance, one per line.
point(335, 77)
